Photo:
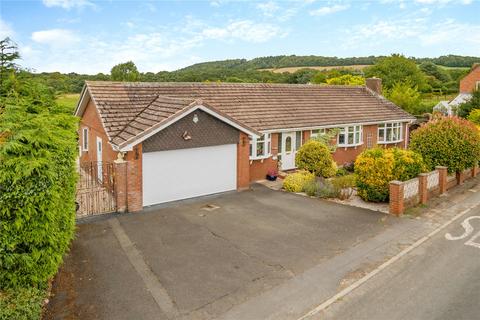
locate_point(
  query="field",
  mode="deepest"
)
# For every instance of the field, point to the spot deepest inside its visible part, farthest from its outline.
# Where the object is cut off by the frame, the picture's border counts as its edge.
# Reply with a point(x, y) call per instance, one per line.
point(293, 69)
point(68, 100)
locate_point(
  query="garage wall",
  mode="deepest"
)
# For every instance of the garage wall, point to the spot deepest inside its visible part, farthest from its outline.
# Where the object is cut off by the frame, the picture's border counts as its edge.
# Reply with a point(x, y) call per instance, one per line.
point(207, 131)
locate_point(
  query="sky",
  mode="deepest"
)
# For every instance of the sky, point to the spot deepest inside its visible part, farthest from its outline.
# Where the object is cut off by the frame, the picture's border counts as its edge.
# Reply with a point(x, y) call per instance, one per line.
point(87, 36)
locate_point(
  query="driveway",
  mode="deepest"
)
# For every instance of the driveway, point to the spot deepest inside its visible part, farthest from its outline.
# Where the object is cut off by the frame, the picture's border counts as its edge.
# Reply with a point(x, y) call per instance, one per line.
point(199, 259)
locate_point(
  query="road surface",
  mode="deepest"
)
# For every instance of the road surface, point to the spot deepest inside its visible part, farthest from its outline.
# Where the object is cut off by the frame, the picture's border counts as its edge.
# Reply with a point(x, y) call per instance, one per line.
point(438, 280)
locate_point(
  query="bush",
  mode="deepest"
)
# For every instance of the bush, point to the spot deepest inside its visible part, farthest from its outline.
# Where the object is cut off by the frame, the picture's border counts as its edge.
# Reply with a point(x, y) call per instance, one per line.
point(474, 116)
point(21, 304)
point(326, 190)
point(447, 141)
point(343, 186)
point(37, 191)
point(296, 182)
point(315, 157)
point(311, 188)
point(341, 172)
point(375, 168)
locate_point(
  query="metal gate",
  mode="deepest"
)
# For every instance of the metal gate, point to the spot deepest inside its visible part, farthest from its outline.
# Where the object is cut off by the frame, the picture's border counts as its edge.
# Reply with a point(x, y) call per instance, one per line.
point(96, 189)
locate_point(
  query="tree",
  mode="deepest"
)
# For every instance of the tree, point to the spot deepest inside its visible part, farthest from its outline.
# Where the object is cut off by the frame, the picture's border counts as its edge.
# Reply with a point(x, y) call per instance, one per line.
point(447, 141)
point(125, 72)
point(347, 79)
point(404, 96)
point(433, 70)
point(395, 69)
point(8, 54)
point(474, 103)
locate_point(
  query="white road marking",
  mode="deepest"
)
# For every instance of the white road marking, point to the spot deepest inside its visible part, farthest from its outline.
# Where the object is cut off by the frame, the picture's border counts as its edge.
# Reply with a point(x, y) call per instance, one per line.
point(468, 231)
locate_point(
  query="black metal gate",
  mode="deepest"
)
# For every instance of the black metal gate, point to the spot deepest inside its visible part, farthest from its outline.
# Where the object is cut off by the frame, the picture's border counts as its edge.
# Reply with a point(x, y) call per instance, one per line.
point(96, 189)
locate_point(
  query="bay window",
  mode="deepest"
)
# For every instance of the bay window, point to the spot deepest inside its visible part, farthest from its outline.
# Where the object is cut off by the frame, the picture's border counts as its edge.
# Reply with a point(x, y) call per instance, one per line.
point(389, 132)
point(260, 147)
point(350, 136)
point(318, 132)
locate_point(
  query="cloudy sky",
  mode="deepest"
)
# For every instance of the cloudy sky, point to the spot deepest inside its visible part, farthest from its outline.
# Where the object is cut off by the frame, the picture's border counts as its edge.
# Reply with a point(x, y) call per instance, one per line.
point(87, 36)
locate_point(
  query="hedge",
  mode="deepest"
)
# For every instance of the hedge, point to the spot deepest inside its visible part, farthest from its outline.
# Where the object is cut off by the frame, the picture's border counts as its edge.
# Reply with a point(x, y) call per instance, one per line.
point(37, 191)
point(375, 168)
point(447, 141)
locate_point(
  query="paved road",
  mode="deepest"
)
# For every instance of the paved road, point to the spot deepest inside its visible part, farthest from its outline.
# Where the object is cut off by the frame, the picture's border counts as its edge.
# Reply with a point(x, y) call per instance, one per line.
point(438, 280)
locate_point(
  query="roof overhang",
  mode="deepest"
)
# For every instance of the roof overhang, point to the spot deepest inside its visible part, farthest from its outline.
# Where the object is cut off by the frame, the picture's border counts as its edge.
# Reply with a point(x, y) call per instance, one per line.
point(83, 102)
point(197, 105)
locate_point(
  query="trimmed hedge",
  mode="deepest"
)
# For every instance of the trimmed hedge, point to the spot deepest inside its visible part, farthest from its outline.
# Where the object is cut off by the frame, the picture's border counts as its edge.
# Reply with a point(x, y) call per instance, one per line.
point(37, 191)
point(375, 168)
point(314, 156)
point(447, 141)
point(22, 304)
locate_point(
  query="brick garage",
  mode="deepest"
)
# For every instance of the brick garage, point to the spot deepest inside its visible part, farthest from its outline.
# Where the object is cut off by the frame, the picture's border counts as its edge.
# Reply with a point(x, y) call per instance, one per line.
point(195, 139)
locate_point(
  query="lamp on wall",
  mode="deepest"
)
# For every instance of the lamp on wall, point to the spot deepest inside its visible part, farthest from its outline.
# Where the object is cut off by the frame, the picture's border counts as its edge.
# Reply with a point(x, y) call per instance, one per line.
point(195, 118)
point(186, 136)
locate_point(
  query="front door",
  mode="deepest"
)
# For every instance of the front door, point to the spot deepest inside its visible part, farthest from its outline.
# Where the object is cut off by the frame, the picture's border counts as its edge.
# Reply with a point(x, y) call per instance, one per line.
point(288, 150)
point(99, 160)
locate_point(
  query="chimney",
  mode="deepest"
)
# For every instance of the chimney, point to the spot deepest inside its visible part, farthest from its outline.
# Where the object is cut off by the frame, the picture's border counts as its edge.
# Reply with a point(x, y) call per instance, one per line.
point(374, 84)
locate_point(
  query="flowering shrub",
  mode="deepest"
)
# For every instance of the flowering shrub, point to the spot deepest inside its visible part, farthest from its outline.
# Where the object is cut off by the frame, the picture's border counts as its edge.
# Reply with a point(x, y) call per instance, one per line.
point(315, 157)
point(297, 181)
point(447, 141)
point(375, 168)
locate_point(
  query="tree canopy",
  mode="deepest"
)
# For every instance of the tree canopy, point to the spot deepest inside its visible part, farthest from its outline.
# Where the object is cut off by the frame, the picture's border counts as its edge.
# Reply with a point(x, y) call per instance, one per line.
point(125, 72)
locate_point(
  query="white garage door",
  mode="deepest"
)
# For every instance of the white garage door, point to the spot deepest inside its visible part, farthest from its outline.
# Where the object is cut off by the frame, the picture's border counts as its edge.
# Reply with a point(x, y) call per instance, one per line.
point(186, 173)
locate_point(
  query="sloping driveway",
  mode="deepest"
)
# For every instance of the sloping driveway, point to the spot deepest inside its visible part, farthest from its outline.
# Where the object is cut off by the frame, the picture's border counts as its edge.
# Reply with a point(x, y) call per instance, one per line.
point(196, 261)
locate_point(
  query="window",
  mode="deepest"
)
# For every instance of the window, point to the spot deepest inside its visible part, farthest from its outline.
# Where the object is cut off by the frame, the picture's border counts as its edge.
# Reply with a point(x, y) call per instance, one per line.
point(350, 136)
point(390, 132)
point(477, 86)
point(260, 147)
point(317, 132)
point(298, 140)
point(85, 139)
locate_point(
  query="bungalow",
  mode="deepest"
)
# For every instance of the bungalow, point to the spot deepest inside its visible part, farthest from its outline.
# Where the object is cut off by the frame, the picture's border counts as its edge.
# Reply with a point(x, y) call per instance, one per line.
point(183, 140)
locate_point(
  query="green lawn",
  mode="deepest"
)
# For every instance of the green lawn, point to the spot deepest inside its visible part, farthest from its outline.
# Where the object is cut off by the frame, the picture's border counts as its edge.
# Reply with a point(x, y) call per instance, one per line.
point(69, 100)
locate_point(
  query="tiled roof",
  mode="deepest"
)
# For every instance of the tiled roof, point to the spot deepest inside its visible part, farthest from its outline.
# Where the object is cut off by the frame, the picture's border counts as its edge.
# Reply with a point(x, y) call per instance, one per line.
point(127, 109)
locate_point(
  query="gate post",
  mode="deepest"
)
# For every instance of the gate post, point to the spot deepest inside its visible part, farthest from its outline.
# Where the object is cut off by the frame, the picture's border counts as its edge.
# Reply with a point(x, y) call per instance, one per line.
point(120, 172)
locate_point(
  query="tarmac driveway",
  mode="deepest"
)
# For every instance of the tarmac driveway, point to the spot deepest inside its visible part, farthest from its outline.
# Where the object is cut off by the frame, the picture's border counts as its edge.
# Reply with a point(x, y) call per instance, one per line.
point(193, 260)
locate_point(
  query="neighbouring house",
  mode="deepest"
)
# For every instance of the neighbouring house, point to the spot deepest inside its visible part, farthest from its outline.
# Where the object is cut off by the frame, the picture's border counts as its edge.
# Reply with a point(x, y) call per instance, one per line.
point(468, 85)
point(183, 140)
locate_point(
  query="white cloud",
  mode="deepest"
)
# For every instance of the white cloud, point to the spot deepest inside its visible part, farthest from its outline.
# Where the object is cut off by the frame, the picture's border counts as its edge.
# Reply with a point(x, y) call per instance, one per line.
point(245, 30)
point(5, 30)
point(451, 32)
point(68, 4)
point(329, 10)
point(268, 8)
point(54, 37)
point(443, 2)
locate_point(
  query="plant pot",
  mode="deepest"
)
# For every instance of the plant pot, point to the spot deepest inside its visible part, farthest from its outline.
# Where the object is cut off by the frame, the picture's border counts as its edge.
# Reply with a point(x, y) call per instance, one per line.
point(271, 178)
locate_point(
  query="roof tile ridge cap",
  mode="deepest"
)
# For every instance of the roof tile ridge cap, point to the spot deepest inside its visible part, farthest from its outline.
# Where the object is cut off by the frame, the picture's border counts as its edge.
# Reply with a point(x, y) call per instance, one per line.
point(136, 116)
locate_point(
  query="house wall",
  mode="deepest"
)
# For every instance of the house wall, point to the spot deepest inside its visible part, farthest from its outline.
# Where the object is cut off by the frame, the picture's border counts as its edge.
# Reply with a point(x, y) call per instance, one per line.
point(260, 168)
point(91, 120)
point(468, 83)
point(207, 131)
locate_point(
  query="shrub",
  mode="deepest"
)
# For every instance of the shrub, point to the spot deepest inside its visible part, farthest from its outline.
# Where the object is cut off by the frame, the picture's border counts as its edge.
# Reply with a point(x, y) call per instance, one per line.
point(341, 172)
point(375, 168)
point(296, 182)
point(474, 116)
point(315, 157)
point(326, 190)
point(349, 166)
point(37, 191)
point(343, 186)
point(447, 141)
point(21, 304)
point(311, 188)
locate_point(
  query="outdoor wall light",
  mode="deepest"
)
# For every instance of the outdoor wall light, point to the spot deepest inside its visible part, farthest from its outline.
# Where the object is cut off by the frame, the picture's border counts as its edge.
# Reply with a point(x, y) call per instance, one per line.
point(195, 118)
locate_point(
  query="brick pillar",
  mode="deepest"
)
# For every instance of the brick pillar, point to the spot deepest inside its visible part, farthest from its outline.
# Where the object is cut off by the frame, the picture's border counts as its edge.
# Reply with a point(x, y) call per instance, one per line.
point(475, 171)
point(120, 167)
point(134, 179)
point(306, 135)
point(442, 178)
point(422, 187)
point(397, 206)
point(460, 177)
point(243, 162)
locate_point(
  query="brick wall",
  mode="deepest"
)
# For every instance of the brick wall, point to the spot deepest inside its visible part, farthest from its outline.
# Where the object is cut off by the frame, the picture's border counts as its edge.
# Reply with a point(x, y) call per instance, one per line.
point(243, 164)
point(91, 120)
point(468, 83)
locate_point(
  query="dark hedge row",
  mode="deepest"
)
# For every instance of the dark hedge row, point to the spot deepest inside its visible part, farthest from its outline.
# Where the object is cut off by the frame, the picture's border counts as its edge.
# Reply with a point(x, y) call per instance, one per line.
point(37, 189)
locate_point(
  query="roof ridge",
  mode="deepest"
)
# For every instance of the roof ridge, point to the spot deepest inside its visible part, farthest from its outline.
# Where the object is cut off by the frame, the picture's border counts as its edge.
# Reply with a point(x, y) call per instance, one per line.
point(148, 106)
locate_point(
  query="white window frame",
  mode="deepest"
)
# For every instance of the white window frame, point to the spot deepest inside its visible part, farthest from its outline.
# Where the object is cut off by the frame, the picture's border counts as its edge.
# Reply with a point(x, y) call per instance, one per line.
point(320, 131)
point(267, 148)
point(85, 139)
point(389, 138)
point(356, 130)
point(477, 85)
